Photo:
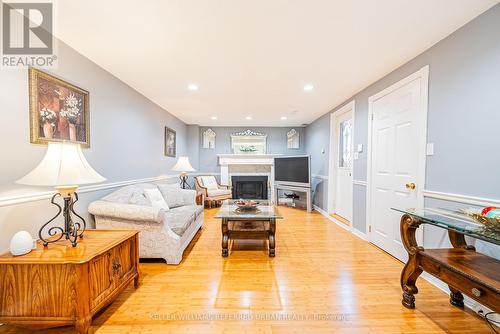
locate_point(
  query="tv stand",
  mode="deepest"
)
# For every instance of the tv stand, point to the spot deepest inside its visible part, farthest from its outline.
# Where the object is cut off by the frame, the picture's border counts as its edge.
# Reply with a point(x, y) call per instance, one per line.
point(305, 190)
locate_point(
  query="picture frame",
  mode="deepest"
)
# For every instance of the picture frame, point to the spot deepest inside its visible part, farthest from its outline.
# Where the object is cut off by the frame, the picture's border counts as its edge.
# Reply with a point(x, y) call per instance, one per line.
point(59, 111)
point(170, 142)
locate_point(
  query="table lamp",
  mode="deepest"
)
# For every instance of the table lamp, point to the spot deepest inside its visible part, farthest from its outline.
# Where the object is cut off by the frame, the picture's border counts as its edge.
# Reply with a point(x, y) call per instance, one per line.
point(183, 166)
point(65, 168)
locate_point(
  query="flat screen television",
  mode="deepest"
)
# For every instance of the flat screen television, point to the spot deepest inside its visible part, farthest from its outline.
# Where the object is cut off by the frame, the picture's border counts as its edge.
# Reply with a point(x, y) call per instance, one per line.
point(292, 170)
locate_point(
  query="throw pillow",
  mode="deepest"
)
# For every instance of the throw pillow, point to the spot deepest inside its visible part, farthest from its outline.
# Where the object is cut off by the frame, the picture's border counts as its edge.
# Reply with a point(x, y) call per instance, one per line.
point(157, 201)
point(172, 194)
point(138, 198)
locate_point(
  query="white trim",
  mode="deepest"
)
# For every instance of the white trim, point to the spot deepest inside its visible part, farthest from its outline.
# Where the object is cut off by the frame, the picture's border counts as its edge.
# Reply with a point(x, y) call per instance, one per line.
point(423, 74)
point(359, 182)
point(43, 195)
point(332, 170)
point(359, 234)
point(351, 229)
point(466, 199)
point(326, 215)
point(319, 176)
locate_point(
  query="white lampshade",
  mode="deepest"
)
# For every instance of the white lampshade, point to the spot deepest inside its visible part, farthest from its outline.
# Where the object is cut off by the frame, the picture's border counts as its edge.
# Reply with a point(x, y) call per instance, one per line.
point(183, 165)
point(62, 165)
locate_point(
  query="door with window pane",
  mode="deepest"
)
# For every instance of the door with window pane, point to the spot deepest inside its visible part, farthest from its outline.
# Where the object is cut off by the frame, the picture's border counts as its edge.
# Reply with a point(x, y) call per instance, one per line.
point(343, 193)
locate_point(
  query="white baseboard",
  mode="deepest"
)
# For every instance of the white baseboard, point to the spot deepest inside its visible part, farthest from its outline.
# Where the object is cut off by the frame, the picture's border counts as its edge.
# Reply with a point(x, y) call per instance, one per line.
point(351, 229)
point(359, 234)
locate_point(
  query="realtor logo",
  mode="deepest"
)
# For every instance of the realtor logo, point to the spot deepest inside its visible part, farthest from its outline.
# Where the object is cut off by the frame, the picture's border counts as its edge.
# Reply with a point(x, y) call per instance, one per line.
point(27, 35)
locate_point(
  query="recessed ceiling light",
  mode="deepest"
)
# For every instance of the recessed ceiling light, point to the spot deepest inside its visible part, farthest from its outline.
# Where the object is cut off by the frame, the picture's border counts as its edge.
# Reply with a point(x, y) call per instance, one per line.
point(193, 87)
point(248, 118)
point(283, 118)
point(308, 87)
point(214, 117)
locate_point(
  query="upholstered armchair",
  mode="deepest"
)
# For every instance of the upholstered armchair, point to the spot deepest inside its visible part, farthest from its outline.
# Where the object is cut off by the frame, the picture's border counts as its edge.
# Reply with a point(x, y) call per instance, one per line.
point(213, 192)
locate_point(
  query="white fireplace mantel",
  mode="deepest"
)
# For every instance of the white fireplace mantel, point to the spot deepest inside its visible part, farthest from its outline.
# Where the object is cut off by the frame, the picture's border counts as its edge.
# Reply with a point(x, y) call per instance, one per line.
point(226, 160)
point(246, 159)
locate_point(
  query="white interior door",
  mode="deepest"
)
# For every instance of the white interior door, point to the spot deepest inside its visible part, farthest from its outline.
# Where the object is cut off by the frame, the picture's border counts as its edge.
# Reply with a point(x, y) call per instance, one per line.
point(343, 163)
point(396, 168)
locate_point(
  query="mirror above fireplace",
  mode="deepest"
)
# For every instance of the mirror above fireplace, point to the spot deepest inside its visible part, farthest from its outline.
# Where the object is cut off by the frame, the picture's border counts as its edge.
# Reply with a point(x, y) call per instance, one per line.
point(248, 142)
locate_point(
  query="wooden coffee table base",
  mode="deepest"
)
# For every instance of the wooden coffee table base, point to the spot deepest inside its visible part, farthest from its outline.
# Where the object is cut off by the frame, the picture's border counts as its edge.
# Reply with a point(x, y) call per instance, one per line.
point(248, 229)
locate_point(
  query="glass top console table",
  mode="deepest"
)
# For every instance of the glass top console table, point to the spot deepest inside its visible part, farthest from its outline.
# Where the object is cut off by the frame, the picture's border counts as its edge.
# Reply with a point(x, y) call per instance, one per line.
point(461, 267)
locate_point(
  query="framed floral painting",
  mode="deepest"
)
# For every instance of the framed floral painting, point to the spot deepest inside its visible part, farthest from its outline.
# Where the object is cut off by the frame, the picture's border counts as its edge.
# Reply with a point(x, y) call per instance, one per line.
point(170, 142)
point(59, 111)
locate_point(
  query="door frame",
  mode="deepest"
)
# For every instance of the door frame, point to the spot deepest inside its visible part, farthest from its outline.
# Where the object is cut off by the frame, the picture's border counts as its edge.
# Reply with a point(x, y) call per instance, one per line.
point(423, 75)
point(333, 152)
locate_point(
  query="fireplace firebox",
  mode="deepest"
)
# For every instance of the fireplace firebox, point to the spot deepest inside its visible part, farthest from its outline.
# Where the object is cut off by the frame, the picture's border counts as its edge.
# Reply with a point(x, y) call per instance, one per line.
point(249, 187)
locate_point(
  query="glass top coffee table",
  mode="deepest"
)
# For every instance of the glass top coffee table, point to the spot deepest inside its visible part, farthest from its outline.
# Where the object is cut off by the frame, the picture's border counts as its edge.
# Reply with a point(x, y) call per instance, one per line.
point(248, 224)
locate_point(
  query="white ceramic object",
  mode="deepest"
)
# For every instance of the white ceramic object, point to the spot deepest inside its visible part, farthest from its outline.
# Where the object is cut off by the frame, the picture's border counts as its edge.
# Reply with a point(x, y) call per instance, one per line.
point(21, 243)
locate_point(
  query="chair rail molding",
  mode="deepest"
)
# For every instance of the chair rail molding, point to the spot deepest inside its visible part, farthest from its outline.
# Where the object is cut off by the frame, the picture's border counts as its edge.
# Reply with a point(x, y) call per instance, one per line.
point(359, 183)
point(33, 196)
point(459, 198)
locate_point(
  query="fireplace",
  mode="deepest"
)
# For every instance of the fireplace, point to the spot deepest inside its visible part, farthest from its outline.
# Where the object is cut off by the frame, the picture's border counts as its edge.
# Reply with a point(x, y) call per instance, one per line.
point(249, 187)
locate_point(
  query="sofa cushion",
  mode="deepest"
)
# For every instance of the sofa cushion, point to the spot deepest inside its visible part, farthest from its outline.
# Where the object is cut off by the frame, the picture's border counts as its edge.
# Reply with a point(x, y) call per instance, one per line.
point(172, 194)
point(218, 192)
point(138, 198)
point(156, 199)
point(209, 182)
point(179, 219)
point(124, 195)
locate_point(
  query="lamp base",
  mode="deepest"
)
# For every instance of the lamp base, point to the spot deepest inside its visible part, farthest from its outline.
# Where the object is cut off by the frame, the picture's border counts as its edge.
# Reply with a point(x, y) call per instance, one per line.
point(72, 230)
point(183, 183)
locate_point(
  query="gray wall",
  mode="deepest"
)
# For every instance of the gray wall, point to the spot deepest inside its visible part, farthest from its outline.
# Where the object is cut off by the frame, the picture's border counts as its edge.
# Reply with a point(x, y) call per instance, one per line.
point(126, 138)
point(317, 145)
point(276, 143)
point(463, 116)
point(193, 145)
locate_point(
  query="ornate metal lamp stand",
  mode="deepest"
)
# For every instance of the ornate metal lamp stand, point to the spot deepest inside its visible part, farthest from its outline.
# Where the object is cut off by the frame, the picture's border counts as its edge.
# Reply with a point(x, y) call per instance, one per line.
point(72, 230)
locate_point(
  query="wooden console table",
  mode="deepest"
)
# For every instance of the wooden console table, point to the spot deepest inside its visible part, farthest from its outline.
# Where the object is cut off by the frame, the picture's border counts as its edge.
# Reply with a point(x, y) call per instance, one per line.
point(461, 267)
point(63, 285)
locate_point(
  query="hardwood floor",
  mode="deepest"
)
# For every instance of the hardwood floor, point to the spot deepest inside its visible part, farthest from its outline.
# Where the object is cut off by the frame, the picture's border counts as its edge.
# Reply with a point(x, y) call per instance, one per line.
point(322, 280)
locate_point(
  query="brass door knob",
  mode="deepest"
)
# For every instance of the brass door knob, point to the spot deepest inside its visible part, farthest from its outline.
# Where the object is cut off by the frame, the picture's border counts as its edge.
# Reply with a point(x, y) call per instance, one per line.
point(410, 185)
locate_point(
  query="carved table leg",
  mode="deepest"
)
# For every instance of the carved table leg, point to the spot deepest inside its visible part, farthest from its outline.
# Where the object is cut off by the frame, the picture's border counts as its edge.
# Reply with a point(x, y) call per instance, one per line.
point(136, 282)
point(225, 238)
point(411, 270)
point(272, 237)
point(458, 241)
point(456, 297)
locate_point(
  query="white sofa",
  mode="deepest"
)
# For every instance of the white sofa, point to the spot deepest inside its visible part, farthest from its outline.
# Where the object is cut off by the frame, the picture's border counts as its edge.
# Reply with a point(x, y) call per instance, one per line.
point(163, 234)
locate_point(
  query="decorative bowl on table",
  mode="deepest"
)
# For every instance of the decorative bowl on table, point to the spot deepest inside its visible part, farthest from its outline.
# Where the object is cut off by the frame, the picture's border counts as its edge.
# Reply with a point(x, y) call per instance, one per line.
point(489, 217)
point(246, 205)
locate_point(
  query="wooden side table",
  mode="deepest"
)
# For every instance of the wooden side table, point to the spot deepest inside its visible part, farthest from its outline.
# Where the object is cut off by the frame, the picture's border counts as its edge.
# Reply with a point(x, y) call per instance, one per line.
point(62, 285)
point(461, 267)
point(200, 200)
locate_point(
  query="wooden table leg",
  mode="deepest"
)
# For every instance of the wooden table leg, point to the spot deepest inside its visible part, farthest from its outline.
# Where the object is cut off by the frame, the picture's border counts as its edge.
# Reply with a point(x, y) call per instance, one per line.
point(272, 237)
point(411, 270)
point(225, 238)
point(457, 240)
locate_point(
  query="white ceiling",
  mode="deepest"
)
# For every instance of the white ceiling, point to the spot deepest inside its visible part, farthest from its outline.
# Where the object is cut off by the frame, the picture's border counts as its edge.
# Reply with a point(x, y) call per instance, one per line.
point(253, 57)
